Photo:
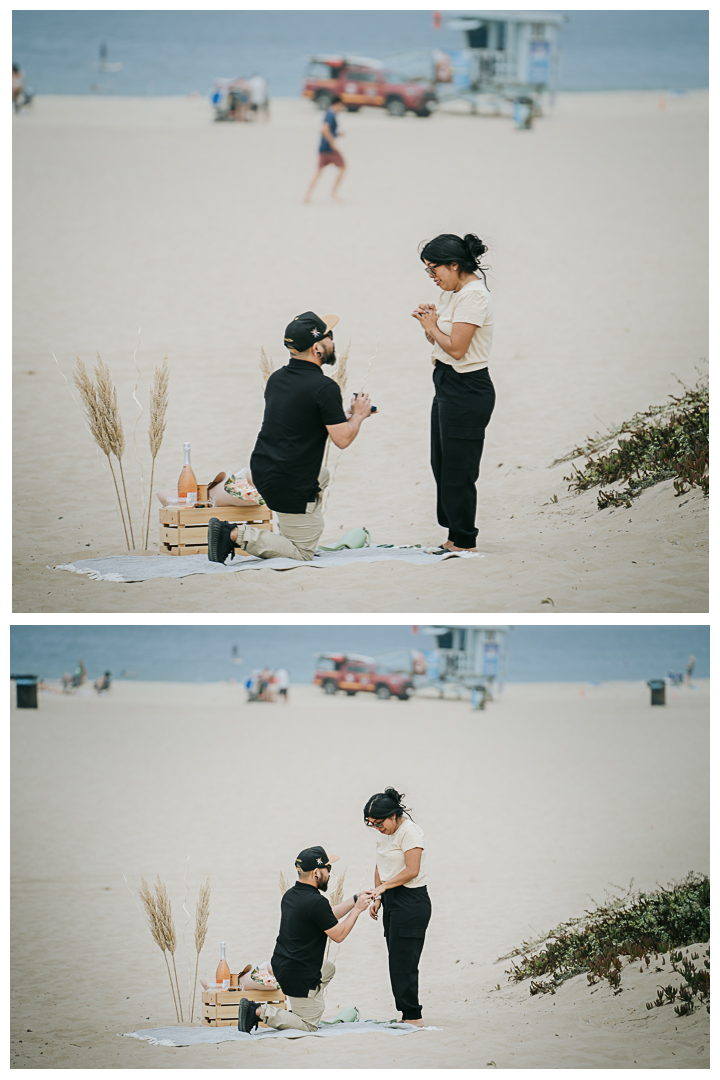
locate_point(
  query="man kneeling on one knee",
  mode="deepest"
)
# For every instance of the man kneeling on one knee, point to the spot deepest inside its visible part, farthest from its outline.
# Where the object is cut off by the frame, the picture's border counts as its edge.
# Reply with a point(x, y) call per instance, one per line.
point(306, 923)
point(302, 407)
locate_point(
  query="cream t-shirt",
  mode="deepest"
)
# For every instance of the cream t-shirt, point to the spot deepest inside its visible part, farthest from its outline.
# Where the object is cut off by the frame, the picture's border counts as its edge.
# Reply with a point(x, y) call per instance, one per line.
point(472, 304)
point(390, 852)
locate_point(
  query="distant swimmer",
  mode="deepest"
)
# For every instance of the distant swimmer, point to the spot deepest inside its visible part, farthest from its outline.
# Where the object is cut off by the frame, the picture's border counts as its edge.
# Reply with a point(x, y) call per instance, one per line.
point(329, 153)
point(689, 670)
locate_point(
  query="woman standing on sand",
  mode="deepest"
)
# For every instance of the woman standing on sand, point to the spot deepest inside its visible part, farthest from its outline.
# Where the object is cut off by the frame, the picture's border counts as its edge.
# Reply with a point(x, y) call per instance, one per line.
point(461, 331)
point(401, 890)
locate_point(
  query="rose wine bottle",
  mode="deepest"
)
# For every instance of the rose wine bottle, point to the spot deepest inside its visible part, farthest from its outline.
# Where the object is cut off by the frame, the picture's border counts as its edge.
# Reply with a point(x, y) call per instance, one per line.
point(222, 975)
point(187, 484)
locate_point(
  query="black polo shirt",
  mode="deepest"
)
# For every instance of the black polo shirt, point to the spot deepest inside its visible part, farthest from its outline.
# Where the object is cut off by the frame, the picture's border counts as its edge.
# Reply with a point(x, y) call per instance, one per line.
point(305, 915)
point(299, 402)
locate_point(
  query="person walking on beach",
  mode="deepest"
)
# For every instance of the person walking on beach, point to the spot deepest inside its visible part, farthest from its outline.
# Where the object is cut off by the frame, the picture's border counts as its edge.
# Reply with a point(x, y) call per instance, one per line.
point(282, 681)
point(460, 330)
point(329, 152)
point(306, 923)
point(401, 891)
point(259, 101)
point(17, 87)
point(302, 407)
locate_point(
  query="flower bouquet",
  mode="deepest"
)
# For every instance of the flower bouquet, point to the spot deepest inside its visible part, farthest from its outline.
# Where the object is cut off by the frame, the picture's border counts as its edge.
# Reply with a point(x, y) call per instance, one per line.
point(265, 980)
point(239, 487)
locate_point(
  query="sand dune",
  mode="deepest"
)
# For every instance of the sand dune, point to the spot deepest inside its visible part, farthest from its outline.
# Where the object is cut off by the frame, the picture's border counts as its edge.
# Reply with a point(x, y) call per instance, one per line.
point(531, 810)
point(142, 213)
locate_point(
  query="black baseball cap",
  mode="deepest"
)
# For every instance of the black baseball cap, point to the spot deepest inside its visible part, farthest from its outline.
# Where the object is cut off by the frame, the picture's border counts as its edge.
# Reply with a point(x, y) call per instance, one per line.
point(308, 328)
point(314, 858)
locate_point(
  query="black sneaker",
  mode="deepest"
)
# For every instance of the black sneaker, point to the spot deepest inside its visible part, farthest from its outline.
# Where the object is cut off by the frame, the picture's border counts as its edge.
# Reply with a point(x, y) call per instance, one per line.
point(247, 1017)
point(219, 543)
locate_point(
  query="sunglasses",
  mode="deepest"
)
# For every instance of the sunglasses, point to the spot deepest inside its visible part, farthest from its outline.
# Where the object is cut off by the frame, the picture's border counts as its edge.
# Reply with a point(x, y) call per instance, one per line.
point(375, 824)
point(430, 269)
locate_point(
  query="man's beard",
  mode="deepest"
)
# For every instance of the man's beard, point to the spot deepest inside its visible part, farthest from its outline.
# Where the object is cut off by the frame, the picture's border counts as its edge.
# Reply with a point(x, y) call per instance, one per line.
point(330, 358)
point(322, 885)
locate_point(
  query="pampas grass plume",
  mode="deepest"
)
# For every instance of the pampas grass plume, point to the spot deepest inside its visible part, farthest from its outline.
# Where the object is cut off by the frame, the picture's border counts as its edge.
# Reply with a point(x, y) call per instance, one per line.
point(108, 406)
point(266, 365)
point(100, 424)
point(164, 909)
point(156, 926)
point(202, 913)
point(159, 391)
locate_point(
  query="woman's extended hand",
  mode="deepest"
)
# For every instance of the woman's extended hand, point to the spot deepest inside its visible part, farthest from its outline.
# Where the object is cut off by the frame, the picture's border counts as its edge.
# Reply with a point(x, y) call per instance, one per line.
point(374, 908)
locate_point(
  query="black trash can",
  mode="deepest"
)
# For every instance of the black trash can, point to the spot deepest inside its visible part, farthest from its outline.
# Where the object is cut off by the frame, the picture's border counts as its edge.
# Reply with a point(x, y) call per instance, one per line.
point(657, 691)
point(26, 688)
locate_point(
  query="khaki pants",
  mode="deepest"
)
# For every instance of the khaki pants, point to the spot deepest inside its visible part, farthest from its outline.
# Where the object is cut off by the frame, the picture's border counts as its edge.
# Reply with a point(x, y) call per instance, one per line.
point(299, 533)
point(306, 1012)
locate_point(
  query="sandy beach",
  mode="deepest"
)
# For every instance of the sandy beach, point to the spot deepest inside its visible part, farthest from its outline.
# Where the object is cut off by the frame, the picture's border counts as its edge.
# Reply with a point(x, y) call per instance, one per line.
point(142, 213)
point(531, 810)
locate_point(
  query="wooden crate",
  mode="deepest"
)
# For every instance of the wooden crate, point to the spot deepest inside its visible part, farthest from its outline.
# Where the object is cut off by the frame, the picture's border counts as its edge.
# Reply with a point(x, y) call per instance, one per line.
point(220, 1008)
point(183, 529)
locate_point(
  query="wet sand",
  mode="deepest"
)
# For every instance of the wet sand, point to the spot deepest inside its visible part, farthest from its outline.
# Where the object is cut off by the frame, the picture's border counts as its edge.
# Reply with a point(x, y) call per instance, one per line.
point(531, 810)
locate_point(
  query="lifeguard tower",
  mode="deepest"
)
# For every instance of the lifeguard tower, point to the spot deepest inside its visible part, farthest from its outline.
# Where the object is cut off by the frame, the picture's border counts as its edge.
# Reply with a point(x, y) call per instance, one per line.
point(508, 56)
point(466, 658)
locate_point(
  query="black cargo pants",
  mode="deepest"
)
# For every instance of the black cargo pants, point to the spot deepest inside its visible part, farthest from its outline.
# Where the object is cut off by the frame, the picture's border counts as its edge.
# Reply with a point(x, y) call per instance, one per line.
point(406, 914)
point(461, 410)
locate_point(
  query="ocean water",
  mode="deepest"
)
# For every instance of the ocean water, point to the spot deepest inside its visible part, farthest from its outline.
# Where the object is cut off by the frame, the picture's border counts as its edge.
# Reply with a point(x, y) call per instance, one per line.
point(205, 653)
point(178, 52)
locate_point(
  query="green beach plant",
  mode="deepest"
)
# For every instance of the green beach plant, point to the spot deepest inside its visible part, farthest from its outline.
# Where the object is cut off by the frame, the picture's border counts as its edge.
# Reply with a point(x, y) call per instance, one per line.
point(631, 925)
point(666, 442)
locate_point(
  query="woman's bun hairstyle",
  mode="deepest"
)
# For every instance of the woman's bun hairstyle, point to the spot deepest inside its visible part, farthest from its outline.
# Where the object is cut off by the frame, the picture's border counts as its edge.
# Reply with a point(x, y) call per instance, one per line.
point(475, 246)
point(447, 248)
point(387, 803)
point(392, 793)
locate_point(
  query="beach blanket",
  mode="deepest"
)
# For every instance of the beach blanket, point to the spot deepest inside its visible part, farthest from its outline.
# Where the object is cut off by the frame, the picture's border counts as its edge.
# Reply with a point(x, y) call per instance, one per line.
point(127, 568)
point(191, 1036)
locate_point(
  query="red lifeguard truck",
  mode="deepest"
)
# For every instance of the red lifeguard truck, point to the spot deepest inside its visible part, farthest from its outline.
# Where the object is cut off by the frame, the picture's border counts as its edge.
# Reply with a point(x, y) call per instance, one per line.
point(352, 673)
point(360, 81)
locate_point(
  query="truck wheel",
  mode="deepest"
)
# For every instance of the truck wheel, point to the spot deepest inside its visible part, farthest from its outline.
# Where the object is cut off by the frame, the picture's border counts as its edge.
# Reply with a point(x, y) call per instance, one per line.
point(383, 692)
point(329, 687)
point(323, 99)
point(351, 693)
point(396, 107)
